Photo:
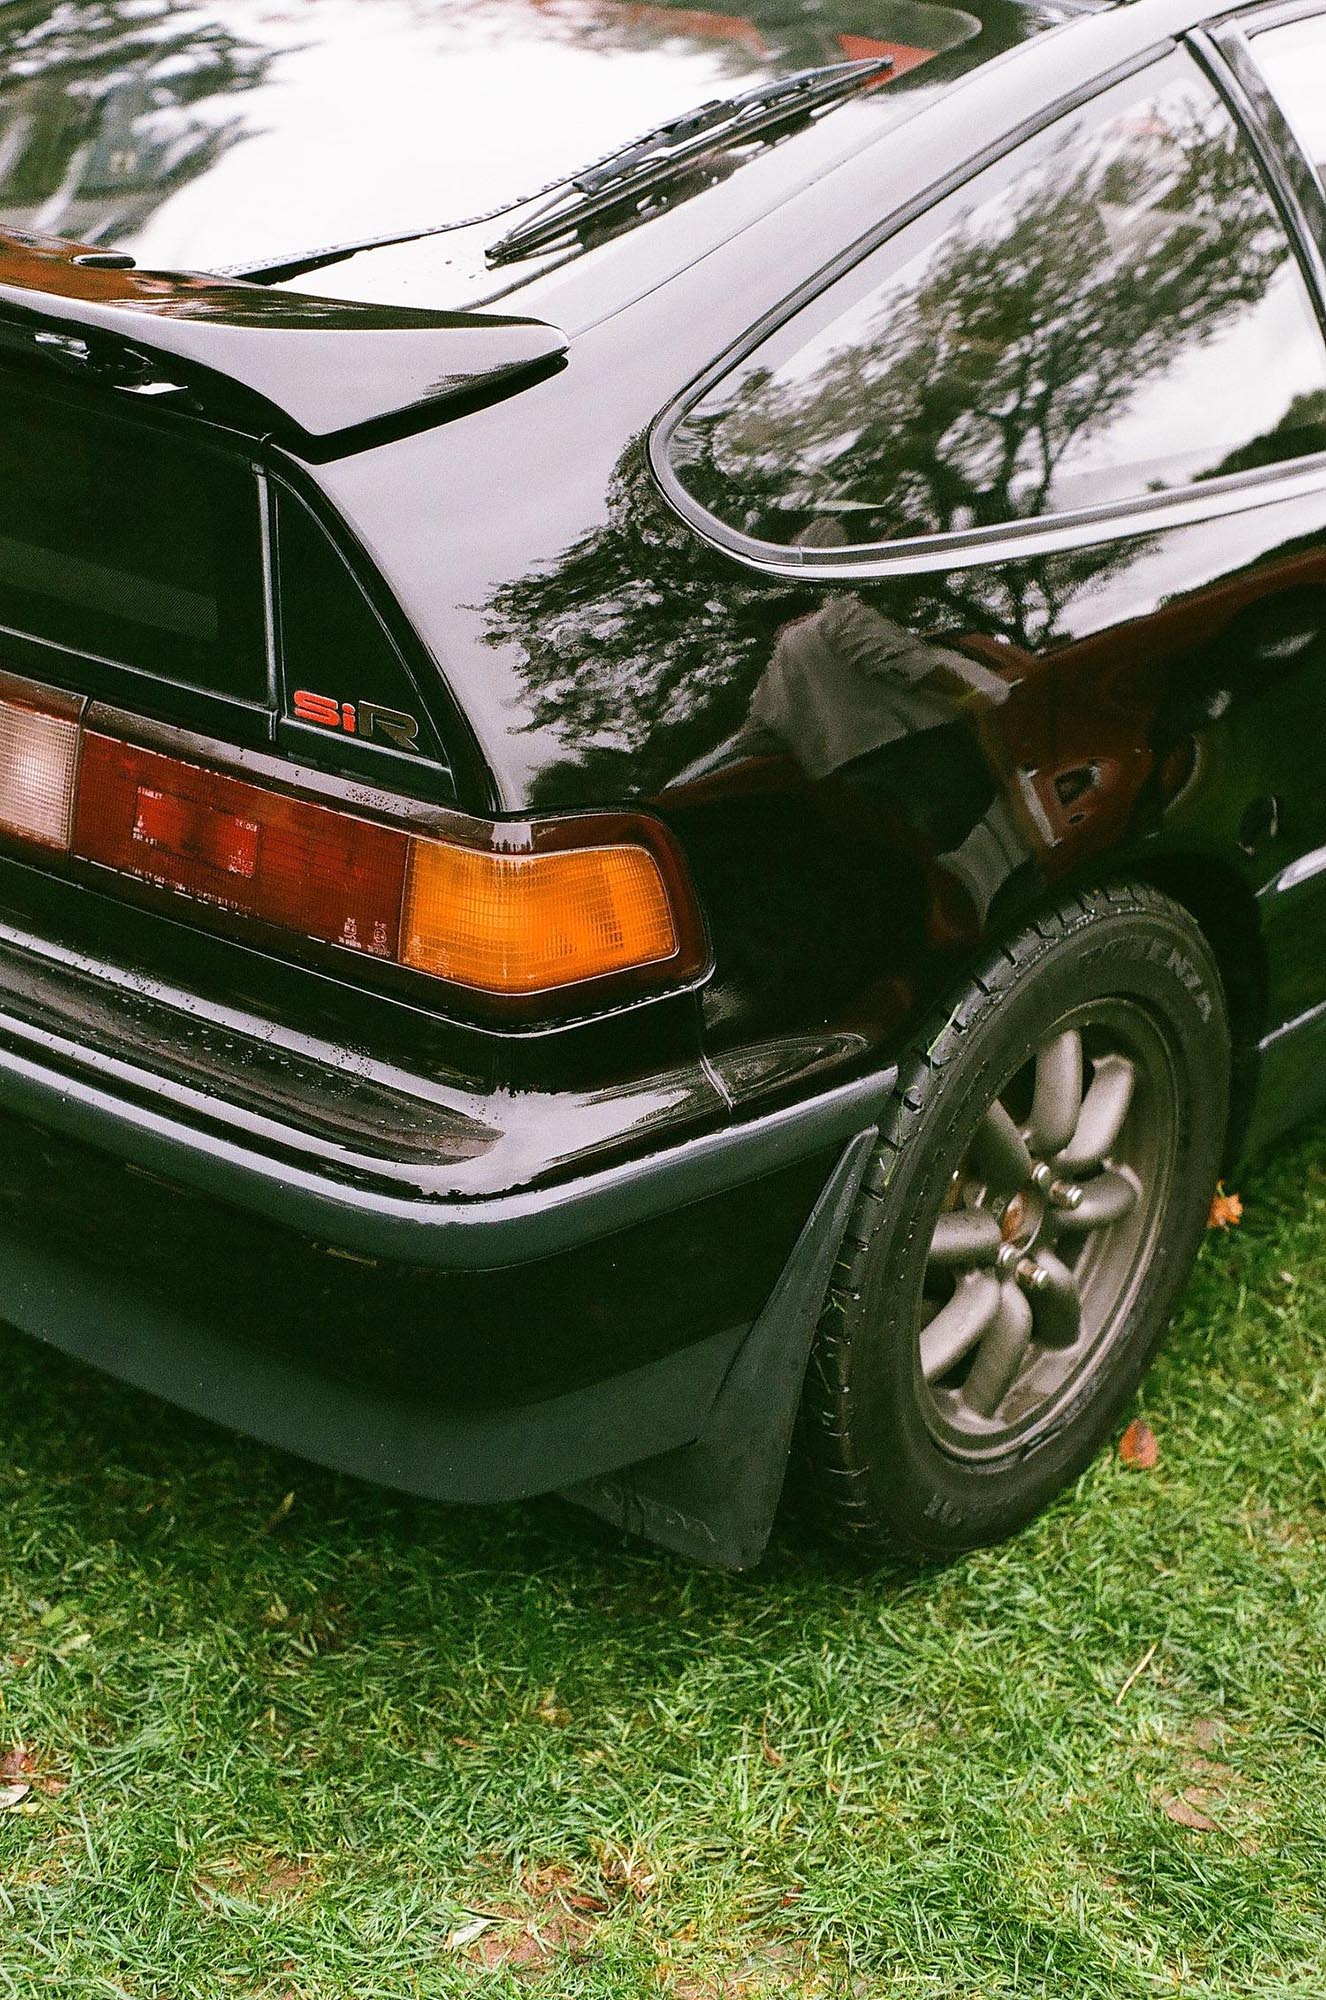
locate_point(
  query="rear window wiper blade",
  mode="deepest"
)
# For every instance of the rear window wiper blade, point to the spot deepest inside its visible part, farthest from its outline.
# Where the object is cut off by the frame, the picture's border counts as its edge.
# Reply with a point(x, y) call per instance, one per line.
point(657, 156)
point(631, 169)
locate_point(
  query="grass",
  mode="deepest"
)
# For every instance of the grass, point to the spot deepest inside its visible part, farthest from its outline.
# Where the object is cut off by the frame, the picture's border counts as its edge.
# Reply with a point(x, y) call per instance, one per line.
point(351, 1745)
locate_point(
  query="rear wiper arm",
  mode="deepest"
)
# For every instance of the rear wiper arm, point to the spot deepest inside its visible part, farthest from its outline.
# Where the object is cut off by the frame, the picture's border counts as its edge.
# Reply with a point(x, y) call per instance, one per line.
point(632, 169)
point(656, 157)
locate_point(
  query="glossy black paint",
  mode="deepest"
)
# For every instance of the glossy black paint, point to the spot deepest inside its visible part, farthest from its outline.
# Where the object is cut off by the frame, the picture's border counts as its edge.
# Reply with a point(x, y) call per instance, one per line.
point(168, 129)
point(475, 1386)
point(1136, 690)
point(1147, 658)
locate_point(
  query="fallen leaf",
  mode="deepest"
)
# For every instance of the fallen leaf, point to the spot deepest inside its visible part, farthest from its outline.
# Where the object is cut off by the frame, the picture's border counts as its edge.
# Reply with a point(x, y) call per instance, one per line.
point(277, 1515)
point(19, 1763)
point(1226, 1209)
point(774, 1758)
point(1184, 1811)
point(585, 1904)
point(1208, 1732)
point(466, 1933)
point(13, 1795)
point(1138, 1447)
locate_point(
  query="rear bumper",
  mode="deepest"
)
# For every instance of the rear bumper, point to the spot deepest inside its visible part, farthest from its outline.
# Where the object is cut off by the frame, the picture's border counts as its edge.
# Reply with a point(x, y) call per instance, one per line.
point(389, 1210)
point(412, 1163)
point(278, 1340)
point(358, 1310)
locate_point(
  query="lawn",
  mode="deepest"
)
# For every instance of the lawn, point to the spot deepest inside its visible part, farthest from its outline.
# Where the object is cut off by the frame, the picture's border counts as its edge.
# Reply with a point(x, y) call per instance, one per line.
point(286, 1736)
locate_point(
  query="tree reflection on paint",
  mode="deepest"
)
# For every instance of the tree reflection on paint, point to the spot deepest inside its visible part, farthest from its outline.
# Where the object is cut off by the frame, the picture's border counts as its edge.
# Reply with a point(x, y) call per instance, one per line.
point(979, 392)
point(100, 110)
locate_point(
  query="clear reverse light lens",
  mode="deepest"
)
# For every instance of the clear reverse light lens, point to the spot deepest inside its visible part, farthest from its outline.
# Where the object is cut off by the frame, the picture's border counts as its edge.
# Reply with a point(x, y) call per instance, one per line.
point(38, 758)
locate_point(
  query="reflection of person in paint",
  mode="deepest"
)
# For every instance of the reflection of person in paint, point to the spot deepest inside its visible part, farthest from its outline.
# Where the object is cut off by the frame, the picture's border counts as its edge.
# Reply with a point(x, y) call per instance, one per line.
point(851, 695)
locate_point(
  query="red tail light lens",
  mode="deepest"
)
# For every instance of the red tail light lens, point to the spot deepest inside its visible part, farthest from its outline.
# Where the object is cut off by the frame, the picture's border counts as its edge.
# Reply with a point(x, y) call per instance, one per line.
point(510, 914)
point(324, 874)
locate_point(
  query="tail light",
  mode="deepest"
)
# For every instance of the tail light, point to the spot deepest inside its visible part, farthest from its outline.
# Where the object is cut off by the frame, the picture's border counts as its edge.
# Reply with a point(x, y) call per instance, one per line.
point(324, 874)
point(525, 923)
point(38, 758)
point(508, 913)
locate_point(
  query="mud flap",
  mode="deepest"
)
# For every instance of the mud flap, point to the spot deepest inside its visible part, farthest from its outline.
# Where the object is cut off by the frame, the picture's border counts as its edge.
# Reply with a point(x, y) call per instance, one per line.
point(715, 1500)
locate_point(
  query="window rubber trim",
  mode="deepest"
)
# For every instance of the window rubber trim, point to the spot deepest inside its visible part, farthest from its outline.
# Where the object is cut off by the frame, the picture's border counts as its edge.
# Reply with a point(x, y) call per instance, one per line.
point(1046, 534)
point(1226, 55)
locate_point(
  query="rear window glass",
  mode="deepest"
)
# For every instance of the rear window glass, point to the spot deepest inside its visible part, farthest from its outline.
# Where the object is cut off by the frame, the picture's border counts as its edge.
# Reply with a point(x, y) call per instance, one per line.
point(128, 541)
point(1111, 311)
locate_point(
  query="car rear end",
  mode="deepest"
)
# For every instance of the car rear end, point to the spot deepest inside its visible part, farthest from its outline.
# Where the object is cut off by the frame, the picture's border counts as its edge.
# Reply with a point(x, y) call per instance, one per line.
point(334, 1106)
point(353, 1074)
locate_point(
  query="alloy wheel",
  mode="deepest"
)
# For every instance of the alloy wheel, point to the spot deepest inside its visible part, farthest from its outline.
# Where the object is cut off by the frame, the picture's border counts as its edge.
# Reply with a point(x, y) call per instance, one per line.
point(1046, 1228)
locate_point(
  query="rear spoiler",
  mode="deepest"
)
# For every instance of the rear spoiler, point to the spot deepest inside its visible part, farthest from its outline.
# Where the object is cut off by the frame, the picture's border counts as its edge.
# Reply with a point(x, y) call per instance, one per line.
point(303, 368)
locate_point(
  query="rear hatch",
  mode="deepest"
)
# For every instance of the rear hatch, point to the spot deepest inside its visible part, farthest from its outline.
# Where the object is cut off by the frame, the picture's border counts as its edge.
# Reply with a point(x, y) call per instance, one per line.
point(150, 554)
point(233, 878)
point(219, 135)
point(172, 572)
point(147, 553)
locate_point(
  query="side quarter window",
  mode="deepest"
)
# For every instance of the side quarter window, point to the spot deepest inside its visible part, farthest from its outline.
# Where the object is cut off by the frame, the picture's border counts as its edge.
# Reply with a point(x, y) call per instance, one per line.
point(1112, 310)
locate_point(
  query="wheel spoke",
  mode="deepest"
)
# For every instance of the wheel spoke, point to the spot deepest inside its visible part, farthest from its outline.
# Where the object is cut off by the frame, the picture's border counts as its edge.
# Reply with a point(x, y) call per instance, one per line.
point(964, 1238)
point(1105, 1200)
point(1056, 1304)
point(957, 1326)
point(999, 1151)
point(1104, 1109)
point(1033, 1268)
point(1000, 1354)
point(1057, 1103)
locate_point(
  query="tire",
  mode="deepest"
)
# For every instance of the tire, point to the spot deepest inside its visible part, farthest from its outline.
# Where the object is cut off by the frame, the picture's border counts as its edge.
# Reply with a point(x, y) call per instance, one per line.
point(905, 1452)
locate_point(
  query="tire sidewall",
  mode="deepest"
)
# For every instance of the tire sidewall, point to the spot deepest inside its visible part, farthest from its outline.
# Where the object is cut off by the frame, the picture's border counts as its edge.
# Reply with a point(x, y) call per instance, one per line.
point(1144, 951)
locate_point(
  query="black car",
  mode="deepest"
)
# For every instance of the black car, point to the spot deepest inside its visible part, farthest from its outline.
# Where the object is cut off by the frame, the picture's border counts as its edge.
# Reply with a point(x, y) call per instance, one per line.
point(664, 687)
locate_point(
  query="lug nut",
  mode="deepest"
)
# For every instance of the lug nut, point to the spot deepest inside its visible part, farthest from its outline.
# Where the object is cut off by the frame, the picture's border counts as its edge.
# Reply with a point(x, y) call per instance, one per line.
point(1062, 1194)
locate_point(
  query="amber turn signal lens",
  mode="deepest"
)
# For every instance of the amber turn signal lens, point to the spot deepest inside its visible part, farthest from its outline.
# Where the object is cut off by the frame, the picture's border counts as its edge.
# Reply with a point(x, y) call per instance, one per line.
point(528, 923)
